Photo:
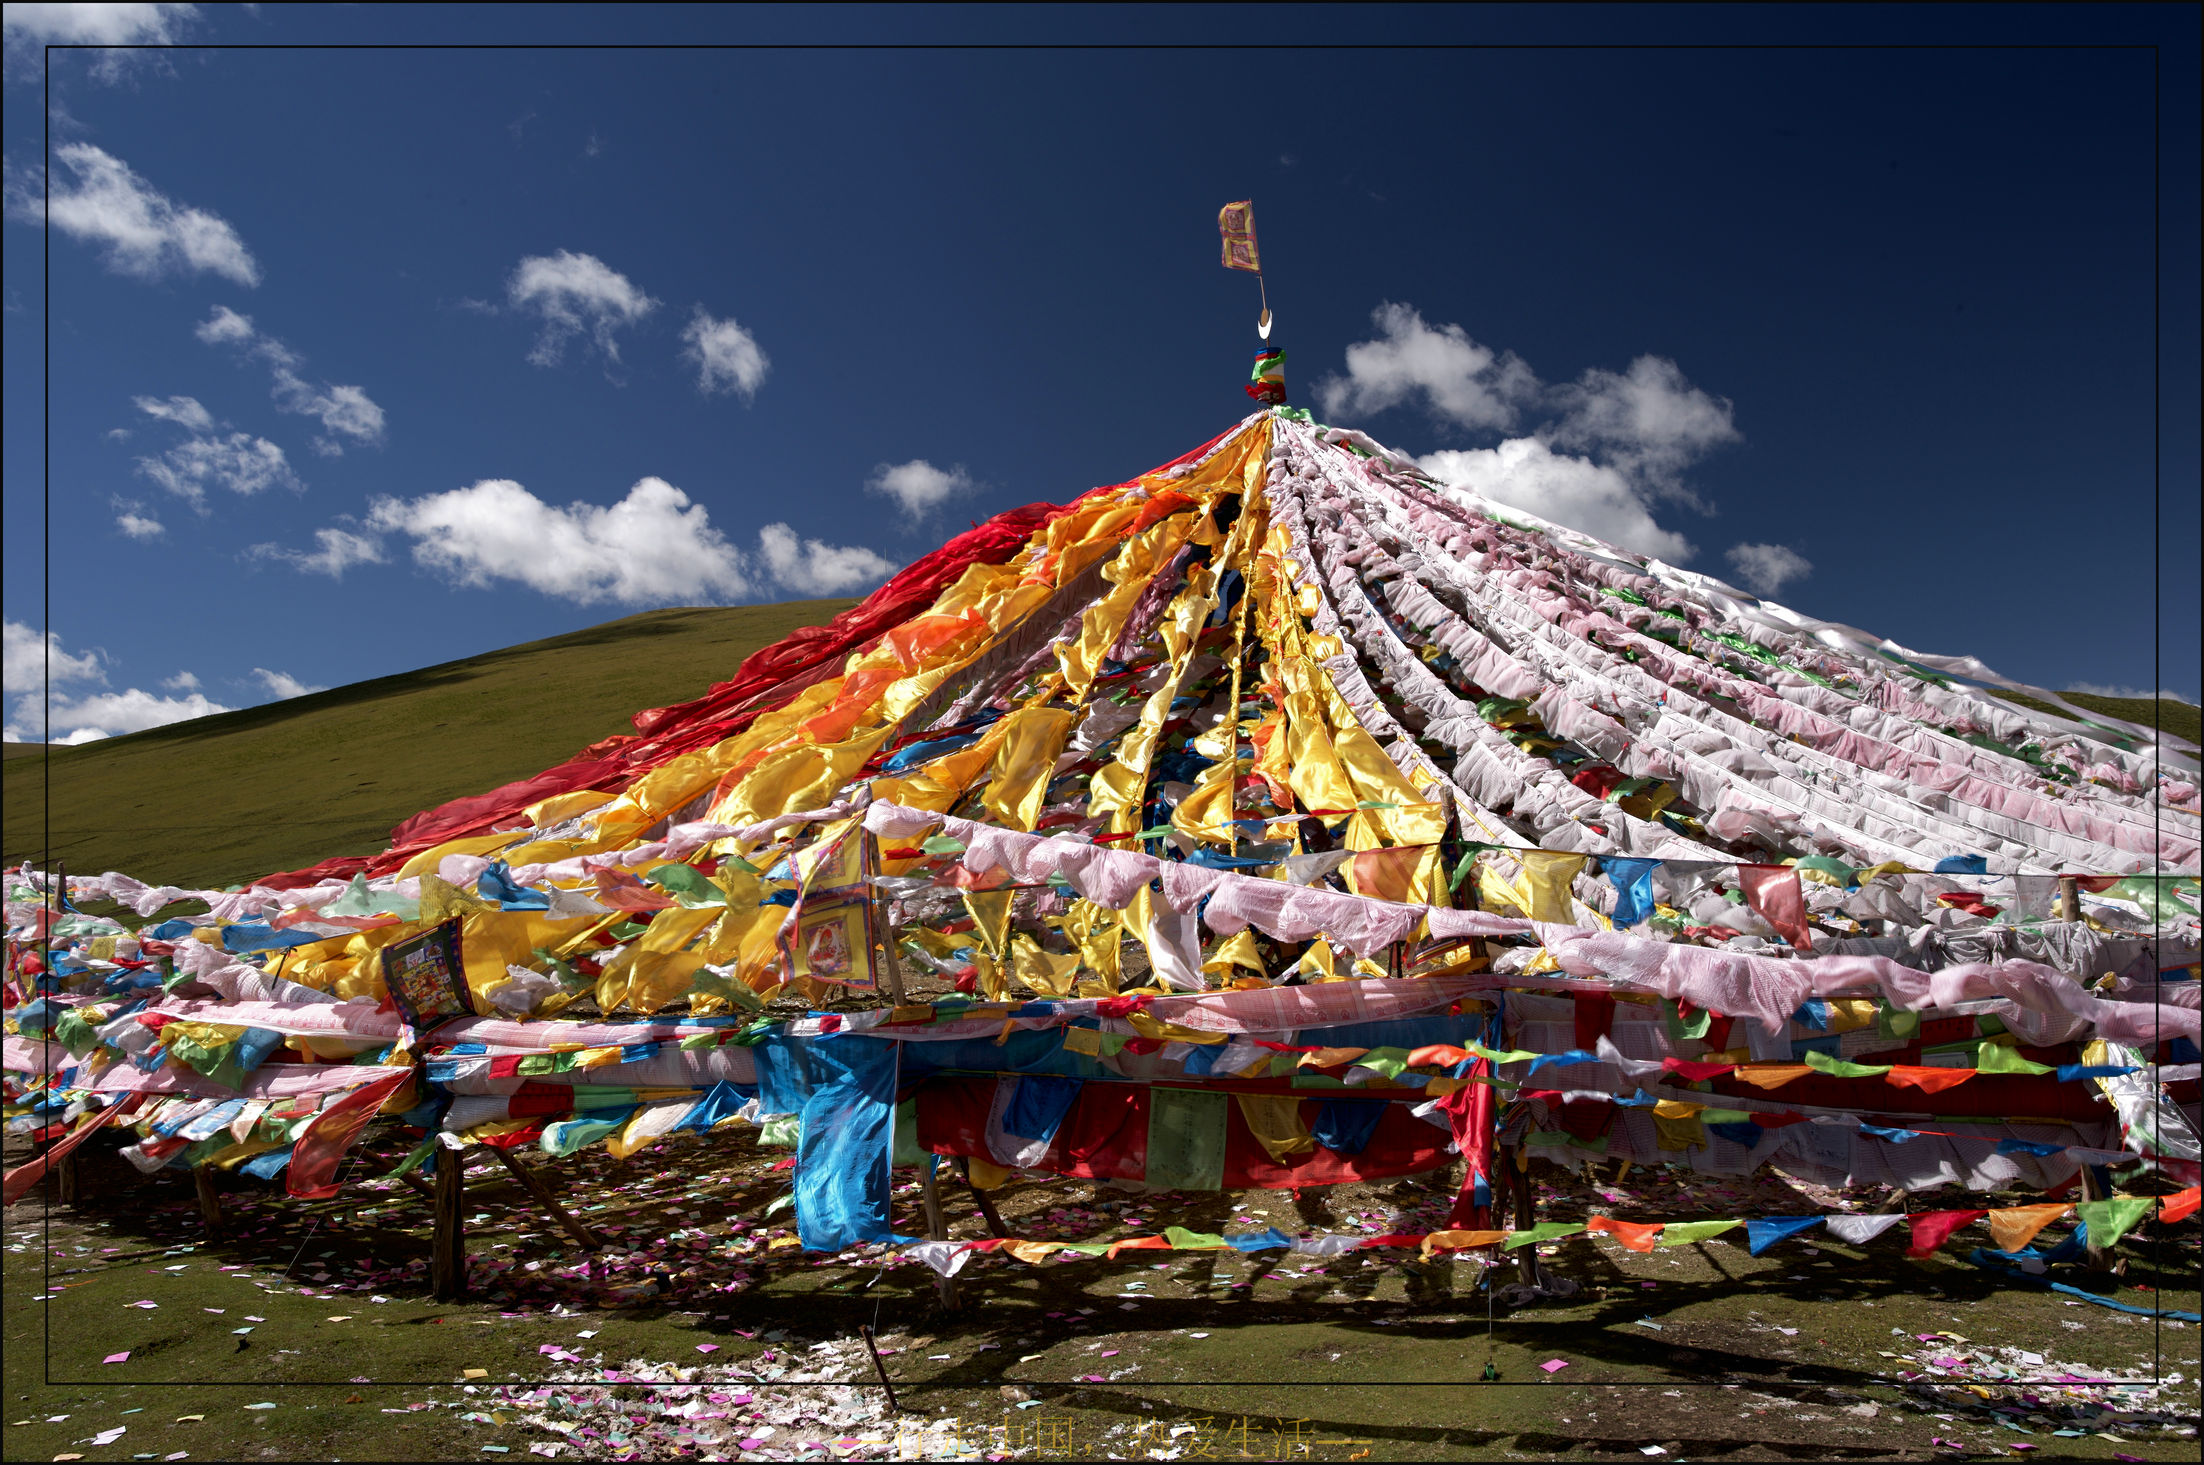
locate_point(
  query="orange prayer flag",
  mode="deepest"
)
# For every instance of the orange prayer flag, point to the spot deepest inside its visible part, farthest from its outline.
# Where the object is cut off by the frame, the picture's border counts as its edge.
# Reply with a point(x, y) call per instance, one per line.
point(2182, 1203)
point(1929, 1080)
point(1140, 1243)
point(1770, 1075)
point(2015, 1226)
point(1461, 1240)
point(1636, 1235)
point(1236, 222)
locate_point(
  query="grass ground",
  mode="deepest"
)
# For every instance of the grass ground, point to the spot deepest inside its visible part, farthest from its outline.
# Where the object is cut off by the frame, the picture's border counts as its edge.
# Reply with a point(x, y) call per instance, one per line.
point(1701, 1352)
point(219, 800)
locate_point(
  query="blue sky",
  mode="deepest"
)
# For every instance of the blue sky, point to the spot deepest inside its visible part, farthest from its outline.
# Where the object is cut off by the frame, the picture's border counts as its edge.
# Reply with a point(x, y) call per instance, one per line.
point(343, 361)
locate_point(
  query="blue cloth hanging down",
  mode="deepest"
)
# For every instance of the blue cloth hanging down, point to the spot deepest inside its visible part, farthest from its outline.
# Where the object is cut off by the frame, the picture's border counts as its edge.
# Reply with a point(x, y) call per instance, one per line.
point(170, 929)
point(1745, 1133)
point(1813, 1013)
point(1344, 1126)
point(922, 752)
point(1038, 1105)
point(1633, 882)
point(268, 1164)
point(1399, 1032)
point(1962, 865)
point(497, 883)
point(1571, 1059)
point(719, 1101)
point(1034, 1051)
point(1765, 1231)
point(844, 1090)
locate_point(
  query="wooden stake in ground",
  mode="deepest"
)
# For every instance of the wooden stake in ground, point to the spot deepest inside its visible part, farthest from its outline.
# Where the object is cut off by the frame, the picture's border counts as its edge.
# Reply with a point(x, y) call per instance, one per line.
point(936, 1230)
point(535, 1187)
point(448, 1253)
point(210, 1201)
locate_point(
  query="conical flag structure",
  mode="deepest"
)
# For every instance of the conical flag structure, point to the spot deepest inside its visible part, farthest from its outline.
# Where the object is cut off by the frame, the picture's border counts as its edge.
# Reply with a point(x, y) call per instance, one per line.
point(1281, 816)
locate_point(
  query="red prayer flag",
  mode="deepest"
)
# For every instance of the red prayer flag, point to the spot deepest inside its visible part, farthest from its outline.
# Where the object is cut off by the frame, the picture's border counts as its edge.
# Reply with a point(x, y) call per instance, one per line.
point(1774, 891)
point(28, 1174)
point(1695, 1072)
point(313, 1170)
point(2178, 1206)
point(1932, 1228)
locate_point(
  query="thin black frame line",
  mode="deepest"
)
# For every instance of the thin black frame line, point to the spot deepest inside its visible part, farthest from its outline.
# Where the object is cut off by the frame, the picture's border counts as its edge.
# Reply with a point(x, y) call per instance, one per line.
point(1052, 47)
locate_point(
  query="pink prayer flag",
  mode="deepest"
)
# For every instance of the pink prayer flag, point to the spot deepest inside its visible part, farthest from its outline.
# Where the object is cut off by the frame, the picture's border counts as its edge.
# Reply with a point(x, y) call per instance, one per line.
point(1774, 891)
point(117, 1357)
point(1554, 1365)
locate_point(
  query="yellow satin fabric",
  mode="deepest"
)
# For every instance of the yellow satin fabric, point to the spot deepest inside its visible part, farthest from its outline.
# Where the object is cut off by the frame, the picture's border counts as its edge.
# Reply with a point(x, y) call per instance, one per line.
point(1238, 949)
point(1098, 931)
point(654, 969)
point(1275, 1121)
point(1025, 758)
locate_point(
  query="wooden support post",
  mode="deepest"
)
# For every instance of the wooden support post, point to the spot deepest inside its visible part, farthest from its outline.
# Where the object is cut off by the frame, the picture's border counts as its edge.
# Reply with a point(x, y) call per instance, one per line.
point(528, 1178)
point(448, 1256)
point(66, 1180)
point(936, 1230)
point(1526, 1215)
point(979, 1198)
point(416, 1184)
point(210, 1200)
point(2093, 1191)
point(888, 933)
point(2070, 898)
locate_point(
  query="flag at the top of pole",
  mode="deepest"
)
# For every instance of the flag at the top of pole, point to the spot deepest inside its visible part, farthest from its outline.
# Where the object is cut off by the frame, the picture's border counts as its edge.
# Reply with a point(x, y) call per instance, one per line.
point(1236, 222)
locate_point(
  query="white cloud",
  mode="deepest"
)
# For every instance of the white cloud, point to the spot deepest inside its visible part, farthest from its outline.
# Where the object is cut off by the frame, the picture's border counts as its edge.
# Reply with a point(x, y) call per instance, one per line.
point(811, 567)
point(652, 548)
point(727, 358)
point(185, 412)
point(1455, 378)
point(30, 658)
point(340, 550)
point(572, 293)
point(111, 714)
point(225, 327)
point(138, 526)
point(918, 485)
point(144, 233)
point(283, 685)
point(183, 681)
point(32, 27)
point(344, 411)
point(1593, 497)
point(27, 659)
point(1595, 454)
point(238, 462)
point(1648, 420)
point(1767, 568)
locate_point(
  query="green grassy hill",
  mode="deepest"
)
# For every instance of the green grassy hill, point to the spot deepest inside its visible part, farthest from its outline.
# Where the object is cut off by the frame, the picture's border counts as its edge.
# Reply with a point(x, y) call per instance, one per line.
point(219, 800)
point(222, 799)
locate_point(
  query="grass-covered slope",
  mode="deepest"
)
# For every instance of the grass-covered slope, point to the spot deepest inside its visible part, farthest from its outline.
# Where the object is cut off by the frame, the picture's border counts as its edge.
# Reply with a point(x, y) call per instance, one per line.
point(219, 800)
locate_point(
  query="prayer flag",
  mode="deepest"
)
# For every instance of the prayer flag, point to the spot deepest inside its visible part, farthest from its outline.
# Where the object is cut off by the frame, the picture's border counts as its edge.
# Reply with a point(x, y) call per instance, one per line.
point(1236, 222)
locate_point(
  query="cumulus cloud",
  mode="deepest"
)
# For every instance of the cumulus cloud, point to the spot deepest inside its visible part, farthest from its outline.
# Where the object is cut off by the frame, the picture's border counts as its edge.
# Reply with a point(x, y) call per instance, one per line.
point(336, 551)
point(576, 293)
point(27, 659)
point(32, 27)
point(1767, 568)
point(811, 567)
point(918, 485)
point(142, 232)
point(183, 681)
point(185, 412)
point(1597, 454)
point(1451, 376)
point(653, 547)
point(283, 685)
point(138, 526)
point(237, 461)
point(727, 358)
point(1593, 497)
point(80, 717)
point(345, 412)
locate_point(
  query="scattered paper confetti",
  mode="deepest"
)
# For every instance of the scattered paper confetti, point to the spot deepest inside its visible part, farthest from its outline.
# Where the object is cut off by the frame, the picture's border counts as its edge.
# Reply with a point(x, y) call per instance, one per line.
point(1554, 1365)
point(121, 1357)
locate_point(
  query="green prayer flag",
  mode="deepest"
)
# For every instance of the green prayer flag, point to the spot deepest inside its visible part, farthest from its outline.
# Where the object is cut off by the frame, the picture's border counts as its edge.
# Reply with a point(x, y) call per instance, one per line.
point(941, 844)
point(1543, 1231)
point(1684, 1233)
point(1678, 1028)
point(413, 1159)
point(2000, 1058)
point(1842, 1068)
point(2109, 1220)
point(1186, 1136)
point(1182, 1239)
point(686, 884)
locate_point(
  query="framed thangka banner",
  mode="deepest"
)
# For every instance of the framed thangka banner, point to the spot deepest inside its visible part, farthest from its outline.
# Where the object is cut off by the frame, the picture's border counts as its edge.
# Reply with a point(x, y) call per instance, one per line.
point(833, 943)
point(427, 979)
